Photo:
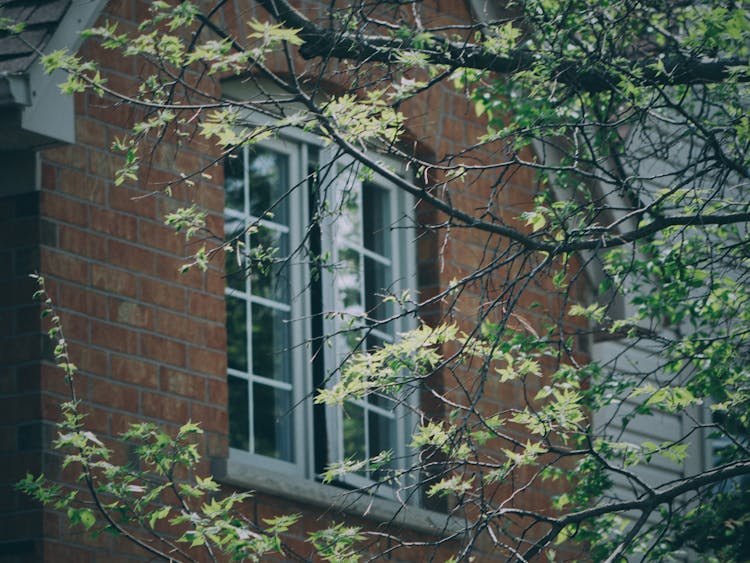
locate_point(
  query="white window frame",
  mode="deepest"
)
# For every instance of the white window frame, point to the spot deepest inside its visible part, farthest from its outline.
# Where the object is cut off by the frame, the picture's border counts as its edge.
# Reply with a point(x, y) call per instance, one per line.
point(295, 145)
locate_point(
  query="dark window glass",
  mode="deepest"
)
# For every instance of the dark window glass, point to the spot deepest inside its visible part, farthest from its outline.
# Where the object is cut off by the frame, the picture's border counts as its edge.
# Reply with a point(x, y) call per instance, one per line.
point(377, 219)
point(234, 182)
point(270, 343)
point(236, 333)
point(381, 437)
point(235, 271)
point(272, 422)
point(377, 285)
point(269, 275)
point(268, 184)
point(354, 431)
point(239, 415)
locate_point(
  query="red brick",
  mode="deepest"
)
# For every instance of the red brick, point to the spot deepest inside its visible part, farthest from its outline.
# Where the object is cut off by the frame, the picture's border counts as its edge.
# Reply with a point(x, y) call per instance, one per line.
point(163, 294)
point(105, 164)
point(180, 327)
point(81, 242)
point(130, 257)
point(114, 224)
point(90, 131)
point(178, 382)
point(135, 371)
point(164, 407)
point(67, 155)
point(120, 397)
point(67, 266)
point(81, 299)
point(122, 422)
point(217, 392)
point(163, 350)
point(113, 280)
point(210, 418)
point(168, 269)
point(215, 336)
point(215, 283)
point(76, 327)
point(98, 419)
point(130, 313)
point(112, 337)
point(217, 446)
point(49, 176)
point(64, 208)
point(79, 184)
point(207, 361)
point(207, 307)
point(132, 201)
point(161, 237)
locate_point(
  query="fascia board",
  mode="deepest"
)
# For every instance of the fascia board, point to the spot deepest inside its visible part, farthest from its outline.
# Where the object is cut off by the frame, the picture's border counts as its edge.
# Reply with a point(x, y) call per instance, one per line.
point(50, 112)
point(14, 90)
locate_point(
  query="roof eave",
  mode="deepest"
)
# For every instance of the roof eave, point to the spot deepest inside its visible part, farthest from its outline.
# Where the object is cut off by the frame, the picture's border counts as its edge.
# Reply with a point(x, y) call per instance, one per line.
point(14, 90)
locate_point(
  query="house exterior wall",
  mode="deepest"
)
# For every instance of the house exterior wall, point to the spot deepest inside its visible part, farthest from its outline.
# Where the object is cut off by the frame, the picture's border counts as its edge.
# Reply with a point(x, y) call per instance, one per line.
point(150, 342)
point(21, 343)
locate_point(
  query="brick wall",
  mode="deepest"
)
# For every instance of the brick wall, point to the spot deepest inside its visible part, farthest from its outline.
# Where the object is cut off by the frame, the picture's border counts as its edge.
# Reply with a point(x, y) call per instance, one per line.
point(150, 342)
point(22, 432)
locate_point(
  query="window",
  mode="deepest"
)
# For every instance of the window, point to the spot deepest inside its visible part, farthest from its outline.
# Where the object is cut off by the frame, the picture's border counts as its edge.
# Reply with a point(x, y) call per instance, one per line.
point(321, 248)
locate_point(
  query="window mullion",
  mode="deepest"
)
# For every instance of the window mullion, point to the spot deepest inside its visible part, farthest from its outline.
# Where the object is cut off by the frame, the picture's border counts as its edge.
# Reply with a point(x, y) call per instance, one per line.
point(279, 317)
point(248, 305)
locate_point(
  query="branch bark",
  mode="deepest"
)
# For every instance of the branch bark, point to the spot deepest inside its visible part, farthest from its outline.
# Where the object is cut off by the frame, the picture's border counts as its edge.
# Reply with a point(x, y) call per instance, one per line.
point(645, 504)
point(669, 69)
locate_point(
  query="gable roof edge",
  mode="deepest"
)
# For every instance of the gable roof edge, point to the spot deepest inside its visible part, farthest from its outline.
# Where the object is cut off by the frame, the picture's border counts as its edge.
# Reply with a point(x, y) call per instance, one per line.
point(45, 110)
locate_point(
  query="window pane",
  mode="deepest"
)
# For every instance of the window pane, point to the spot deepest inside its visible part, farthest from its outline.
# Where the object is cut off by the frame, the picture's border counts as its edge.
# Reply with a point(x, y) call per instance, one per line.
point(234, 183)
point(235, 272)
point(239, 417)
point(270, 343)
point(382, 437)
point(268, 183)
point(272, 422)
point(267, 279)
point(348, 225)
point(236, 333)
point(354, 431)
point(348, 283)
point(377, 219)
point(382, 400)
point(377, 284)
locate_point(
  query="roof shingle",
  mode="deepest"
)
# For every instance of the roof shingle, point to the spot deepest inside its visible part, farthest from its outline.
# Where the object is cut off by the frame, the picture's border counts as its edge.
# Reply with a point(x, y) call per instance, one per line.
point(17, 53)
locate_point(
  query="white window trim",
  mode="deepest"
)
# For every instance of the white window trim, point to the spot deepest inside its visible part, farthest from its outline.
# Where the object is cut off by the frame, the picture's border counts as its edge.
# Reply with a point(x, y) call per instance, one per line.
point(274, 475)
point(299, 309)
point(400, 512)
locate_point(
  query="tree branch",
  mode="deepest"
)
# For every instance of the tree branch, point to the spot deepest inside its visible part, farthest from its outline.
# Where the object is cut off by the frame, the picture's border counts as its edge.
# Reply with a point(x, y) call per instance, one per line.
point(670, 69)
point(645, 503)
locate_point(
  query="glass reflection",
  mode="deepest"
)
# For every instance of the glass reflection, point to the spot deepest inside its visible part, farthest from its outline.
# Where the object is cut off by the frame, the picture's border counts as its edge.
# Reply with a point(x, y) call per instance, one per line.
point(236, 322)
point(354, 431)
point(377, 219)
point(377, 285)
point(272, 422)
point(348, 282)
point(348, 226)
point(234, 182)
point(268, 183)
point(239, 417)
point(235, 271)
point(382, 437)
point(269, 277)
point(270, 343)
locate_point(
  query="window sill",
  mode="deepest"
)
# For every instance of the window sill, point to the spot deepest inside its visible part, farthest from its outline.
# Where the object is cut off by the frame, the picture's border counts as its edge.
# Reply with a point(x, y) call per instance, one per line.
point(381, 510)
